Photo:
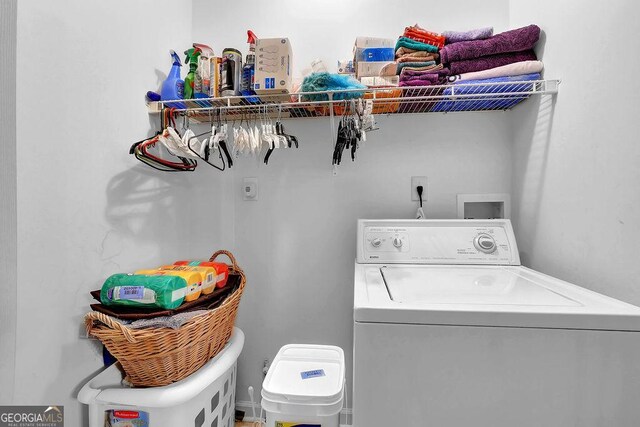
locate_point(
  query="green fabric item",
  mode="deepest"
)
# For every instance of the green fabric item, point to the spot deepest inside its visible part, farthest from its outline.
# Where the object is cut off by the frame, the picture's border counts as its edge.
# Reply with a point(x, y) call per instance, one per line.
point(401, 65)
point(416, 45)
point(141, 290)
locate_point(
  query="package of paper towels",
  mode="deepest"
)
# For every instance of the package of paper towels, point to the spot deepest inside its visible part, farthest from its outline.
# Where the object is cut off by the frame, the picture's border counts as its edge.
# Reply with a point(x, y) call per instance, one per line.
point(142, 290)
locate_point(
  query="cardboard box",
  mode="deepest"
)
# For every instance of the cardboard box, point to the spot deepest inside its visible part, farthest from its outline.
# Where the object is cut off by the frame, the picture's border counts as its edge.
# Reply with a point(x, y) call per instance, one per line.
point(363, 42)
point(273, 73)
point(374, 54)
point(371, 69)
point(380, 81)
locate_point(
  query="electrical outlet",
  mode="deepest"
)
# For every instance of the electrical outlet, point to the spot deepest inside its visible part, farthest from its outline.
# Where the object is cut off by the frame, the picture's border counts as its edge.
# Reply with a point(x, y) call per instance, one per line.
point(415, 181)
point(249, 188)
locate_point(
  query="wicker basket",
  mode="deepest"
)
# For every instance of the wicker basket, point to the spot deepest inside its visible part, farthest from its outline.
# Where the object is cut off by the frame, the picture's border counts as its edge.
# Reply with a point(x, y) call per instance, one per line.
point(157, 357)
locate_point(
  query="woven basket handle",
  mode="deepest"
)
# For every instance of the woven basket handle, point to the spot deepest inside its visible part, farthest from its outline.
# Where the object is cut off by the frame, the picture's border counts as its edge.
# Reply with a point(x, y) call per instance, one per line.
point(229, 255)
point(90, 318)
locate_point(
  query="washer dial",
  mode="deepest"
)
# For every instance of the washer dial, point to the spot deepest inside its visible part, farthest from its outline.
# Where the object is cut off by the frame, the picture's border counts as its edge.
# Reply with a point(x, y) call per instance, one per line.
point(484, 243)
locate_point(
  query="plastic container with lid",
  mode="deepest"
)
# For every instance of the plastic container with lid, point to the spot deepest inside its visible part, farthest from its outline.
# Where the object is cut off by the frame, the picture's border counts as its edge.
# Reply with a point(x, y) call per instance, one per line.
point(305, 385)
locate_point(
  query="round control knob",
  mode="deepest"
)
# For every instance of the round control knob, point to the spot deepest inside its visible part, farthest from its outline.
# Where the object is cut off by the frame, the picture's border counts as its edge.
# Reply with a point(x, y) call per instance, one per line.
point(485, 243)
point(376, 242)
point(397, 242)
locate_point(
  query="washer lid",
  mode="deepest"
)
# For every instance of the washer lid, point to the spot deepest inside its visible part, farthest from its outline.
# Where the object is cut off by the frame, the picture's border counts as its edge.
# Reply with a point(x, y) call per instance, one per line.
point(477, 286)
point(306, 374)
point(465, 295)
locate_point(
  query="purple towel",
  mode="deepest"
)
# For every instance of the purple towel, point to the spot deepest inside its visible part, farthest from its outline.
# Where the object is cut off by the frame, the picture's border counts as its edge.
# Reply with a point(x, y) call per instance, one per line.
point(492, 61)
point(516, 40)
point(433, 78)
point(463, 36)
point(416, 83)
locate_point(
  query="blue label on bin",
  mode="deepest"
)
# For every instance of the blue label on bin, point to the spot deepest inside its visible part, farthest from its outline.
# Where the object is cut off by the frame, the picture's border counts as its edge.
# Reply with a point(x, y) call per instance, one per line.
point(312, 374)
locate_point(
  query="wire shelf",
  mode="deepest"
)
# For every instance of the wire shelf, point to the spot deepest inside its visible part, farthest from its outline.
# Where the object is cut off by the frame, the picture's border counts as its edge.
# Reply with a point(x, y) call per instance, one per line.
point(388, 100)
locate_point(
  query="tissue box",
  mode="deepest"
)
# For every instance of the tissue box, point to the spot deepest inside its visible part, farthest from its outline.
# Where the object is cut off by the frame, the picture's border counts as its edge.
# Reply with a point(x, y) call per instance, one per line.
point(273, 73)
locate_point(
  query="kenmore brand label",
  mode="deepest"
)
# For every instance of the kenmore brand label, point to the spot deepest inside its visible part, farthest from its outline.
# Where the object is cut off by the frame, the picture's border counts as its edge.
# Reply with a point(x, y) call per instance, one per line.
point(312, 374)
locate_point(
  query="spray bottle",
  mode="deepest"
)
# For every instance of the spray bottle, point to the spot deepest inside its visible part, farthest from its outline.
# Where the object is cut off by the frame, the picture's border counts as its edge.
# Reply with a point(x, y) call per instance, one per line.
point(173, 86)
point(191, 59)
point(202, 83)
point(249, 69)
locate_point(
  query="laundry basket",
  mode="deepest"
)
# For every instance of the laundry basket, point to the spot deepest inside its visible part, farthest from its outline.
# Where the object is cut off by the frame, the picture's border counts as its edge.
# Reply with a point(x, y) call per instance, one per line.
point(161, 356)
point(206, 398)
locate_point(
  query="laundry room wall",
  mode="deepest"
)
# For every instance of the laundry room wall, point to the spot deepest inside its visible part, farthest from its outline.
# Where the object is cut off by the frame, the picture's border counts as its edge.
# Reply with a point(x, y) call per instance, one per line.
point(8, 217)
point(576, 174)
point(297, 242)
point(86, 208)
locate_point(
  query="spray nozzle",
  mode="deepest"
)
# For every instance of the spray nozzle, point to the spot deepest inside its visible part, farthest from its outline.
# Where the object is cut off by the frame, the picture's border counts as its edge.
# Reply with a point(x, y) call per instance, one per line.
point(251, 37)
point(191, 55)
point(176, 58)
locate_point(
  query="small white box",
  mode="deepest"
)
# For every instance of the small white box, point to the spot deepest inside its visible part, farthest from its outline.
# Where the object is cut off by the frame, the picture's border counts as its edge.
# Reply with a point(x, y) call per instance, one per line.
point(371, 69)
point(273, 73)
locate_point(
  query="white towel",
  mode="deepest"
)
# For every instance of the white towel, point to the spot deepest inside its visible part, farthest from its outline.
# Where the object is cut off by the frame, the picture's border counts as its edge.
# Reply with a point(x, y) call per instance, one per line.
point(515, 69)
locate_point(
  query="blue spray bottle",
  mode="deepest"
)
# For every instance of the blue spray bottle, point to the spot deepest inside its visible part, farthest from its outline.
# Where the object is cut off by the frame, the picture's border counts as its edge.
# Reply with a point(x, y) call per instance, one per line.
point(173, 86)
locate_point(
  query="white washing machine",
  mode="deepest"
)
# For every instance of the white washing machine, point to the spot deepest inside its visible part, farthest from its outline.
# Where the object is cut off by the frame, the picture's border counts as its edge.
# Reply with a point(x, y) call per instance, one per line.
point(450, 330)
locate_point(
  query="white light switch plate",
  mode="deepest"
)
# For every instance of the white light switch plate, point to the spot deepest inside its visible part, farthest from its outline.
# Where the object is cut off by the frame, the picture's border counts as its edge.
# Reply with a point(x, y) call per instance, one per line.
point(415, 181)
point(249, 188)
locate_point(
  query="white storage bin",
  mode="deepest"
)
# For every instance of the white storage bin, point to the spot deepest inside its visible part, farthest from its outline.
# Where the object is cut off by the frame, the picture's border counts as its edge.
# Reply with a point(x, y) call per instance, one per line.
point(305, 385)
point(205, 398)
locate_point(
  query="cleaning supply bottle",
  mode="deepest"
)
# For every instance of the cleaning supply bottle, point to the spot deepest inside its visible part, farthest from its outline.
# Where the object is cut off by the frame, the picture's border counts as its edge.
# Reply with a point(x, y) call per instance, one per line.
point(248, 70)
point(173, 86)
point(191, 59)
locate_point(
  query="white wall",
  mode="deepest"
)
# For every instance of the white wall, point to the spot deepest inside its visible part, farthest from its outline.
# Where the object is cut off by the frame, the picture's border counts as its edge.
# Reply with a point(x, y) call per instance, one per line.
point(8, 214)
point(301, 276)
point(576, 176)
point(326, 29)
point(86, 208)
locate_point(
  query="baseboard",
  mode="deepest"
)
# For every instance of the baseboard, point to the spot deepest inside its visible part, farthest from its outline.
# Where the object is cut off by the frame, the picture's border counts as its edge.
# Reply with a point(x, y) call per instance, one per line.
point(245, 405)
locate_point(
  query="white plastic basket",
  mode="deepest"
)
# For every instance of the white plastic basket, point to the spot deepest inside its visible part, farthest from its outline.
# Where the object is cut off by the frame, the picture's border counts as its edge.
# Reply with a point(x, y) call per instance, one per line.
point(305, 385)
point(205, 398)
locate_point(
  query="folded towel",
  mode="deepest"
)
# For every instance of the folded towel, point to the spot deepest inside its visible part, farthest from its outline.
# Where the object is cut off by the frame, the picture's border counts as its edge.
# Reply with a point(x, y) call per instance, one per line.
point(418, 56)
point(415, 45)
point(421, 82)
point(420, 34)
point(516, 40)
point(438, 69)
point(173, 322)
point(405, 50)
point(463, 36)
point(492, 61)
point(426, 64)
point(515, 69)
point(436, 77)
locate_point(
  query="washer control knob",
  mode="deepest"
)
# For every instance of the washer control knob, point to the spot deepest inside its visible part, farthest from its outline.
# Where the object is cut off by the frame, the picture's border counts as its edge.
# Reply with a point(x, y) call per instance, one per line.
point(397, 242)
point(376, 242)
point(484, 243)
